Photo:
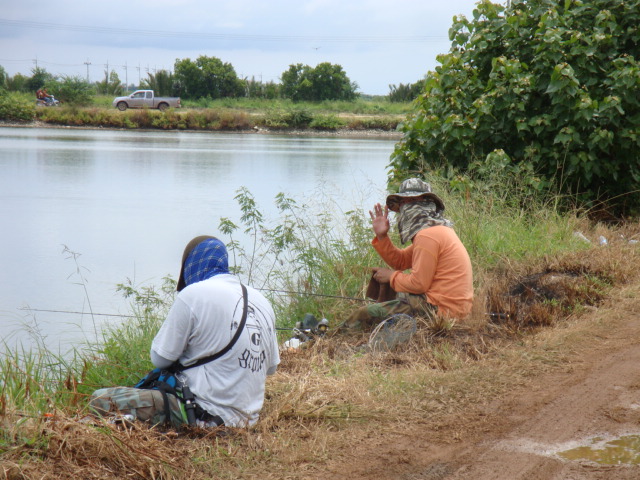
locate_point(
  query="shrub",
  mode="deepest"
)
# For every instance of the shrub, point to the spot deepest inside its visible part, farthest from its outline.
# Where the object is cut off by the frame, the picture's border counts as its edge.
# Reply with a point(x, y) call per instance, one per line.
point(327, 122)
point(299, 118)
point(17, 107)
point(229, 120)
point(73, 90)
point(374, 123)
point(143, 118)
point(274, 119)
point(290, 118)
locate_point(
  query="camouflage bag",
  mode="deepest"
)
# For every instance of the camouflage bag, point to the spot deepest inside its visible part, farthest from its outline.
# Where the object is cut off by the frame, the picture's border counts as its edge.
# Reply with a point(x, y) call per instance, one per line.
point(152, 406)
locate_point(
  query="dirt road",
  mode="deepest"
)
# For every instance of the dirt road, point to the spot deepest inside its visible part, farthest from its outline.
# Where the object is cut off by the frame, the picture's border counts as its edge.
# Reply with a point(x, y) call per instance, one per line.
point(594, 393)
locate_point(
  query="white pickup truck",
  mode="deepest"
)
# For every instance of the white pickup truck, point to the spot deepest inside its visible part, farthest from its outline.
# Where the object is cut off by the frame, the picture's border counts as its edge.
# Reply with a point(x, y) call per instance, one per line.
point(145, 99)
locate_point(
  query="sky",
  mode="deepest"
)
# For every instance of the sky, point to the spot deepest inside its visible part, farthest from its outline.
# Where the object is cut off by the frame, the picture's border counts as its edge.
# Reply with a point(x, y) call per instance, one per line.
point(377, 42)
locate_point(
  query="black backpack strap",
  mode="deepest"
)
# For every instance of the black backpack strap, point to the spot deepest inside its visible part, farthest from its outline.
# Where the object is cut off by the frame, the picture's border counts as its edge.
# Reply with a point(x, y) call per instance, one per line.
point(230, 345)
point(167, 407)
point(153, 382)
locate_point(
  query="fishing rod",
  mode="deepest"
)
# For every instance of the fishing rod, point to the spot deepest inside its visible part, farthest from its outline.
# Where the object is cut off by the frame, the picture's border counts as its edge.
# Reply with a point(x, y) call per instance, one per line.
point(76, 313)
point(283, 329)
point(313, 294)
point(501, 316)
point(288, 292)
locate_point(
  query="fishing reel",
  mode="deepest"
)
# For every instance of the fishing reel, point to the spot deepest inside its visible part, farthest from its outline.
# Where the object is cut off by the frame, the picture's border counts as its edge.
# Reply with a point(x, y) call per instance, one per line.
point(306, 330)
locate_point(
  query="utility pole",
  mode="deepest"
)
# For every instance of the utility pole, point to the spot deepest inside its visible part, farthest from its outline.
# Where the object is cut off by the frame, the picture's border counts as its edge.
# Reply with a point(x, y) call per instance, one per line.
point(87, 63)
point(138, 67)
point(126, 77)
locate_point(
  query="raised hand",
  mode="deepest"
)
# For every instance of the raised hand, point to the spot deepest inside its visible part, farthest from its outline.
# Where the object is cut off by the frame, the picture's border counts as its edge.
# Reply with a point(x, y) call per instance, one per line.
point(380, 220)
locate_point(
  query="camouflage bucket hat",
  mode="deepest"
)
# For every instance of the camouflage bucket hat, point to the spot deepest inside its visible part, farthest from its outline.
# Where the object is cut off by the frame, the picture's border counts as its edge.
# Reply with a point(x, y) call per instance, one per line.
point(413, 187)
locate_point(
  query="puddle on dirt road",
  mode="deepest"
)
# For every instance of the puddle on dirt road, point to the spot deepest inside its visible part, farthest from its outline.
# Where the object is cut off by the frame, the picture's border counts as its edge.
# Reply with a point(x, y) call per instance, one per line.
point(623, 450)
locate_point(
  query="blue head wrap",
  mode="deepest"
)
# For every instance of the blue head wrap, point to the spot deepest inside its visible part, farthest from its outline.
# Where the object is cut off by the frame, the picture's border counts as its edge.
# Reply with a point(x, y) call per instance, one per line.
point(207, 259)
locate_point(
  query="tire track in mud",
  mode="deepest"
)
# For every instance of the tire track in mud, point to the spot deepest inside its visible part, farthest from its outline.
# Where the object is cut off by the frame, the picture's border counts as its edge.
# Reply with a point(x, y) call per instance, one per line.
point(599, 396)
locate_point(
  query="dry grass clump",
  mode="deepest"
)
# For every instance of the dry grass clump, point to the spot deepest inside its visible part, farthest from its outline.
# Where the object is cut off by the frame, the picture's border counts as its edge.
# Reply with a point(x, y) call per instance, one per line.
point(72, 449)
point(538, 294)
point(315, 384)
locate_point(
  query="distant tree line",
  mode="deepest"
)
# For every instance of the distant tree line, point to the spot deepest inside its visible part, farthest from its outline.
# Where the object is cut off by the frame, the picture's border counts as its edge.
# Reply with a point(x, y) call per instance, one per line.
point(207, 78)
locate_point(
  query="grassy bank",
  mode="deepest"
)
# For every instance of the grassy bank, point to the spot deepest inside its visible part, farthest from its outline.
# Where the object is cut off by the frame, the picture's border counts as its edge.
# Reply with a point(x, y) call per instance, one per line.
point(218, 119)
point(361, 106)
point(217, 115)
point(531, 271)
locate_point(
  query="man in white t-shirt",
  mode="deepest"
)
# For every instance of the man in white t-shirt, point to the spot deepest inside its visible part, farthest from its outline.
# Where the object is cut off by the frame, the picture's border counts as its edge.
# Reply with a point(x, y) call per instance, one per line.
point(202, 321)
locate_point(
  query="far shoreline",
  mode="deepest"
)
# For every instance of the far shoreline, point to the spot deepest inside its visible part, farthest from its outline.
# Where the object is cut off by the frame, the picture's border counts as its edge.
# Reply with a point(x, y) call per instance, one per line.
point(339, 133)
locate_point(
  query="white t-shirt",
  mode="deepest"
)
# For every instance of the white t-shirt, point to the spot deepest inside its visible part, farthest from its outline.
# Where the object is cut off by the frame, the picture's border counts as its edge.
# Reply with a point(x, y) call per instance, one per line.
point(201, 322)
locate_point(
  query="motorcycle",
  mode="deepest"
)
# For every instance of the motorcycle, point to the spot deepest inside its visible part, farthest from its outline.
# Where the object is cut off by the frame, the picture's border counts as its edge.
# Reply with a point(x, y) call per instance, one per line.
point(47, 102)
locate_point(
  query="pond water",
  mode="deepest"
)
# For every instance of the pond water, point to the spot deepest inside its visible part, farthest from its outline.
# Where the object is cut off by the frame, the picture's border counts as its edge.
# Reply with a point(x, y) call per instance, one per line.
point(126, 202)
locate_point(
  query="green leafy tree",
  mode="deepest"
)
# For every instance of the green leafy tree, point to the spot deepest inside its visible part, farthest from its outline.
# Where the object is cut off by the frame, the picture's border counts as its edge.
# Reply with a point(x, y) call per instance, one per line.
point(18, 83)
point(111, 85)
point(324, 82)
point(256, 89)
point(162, 83)
point(39, 78)
point(3, 78)
point(74, 90)
point(207, 77)
point(330, 82)
point(189, 81)
point(553, 84)
point(271, 90)
point(291, 80)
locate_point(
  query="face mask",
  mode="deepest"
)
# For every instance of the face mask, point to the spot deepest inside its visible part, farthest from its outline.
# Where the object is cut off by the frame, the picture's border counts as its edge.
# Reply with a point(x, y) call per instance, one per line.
point(415, 216)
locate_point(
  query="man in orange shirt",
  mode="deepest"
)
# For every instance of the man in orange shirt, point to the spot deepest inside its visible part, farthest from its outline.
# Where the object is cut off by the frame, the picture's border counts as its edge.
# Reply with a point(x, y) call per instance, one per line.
point(433, 275)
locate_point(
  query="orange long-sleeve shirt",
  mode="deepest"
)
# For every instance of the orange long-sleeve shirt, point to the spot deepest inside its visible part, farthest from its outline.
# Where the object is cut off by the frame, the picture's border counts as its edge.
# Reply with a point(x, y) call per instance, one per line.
point(439, 267)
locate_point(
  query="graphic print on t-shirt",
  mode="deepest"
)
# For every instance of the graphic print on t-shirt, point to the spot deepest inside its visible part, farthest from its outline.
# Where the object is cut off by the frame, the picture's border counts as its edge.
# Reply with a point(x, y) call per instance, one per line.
point(253, 358)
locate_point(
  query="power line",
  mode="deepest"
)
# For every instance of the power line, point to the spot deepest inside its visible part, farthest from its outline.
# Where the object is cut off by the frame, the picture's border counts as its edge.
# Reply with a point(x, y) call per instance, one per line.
point(226, 36)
